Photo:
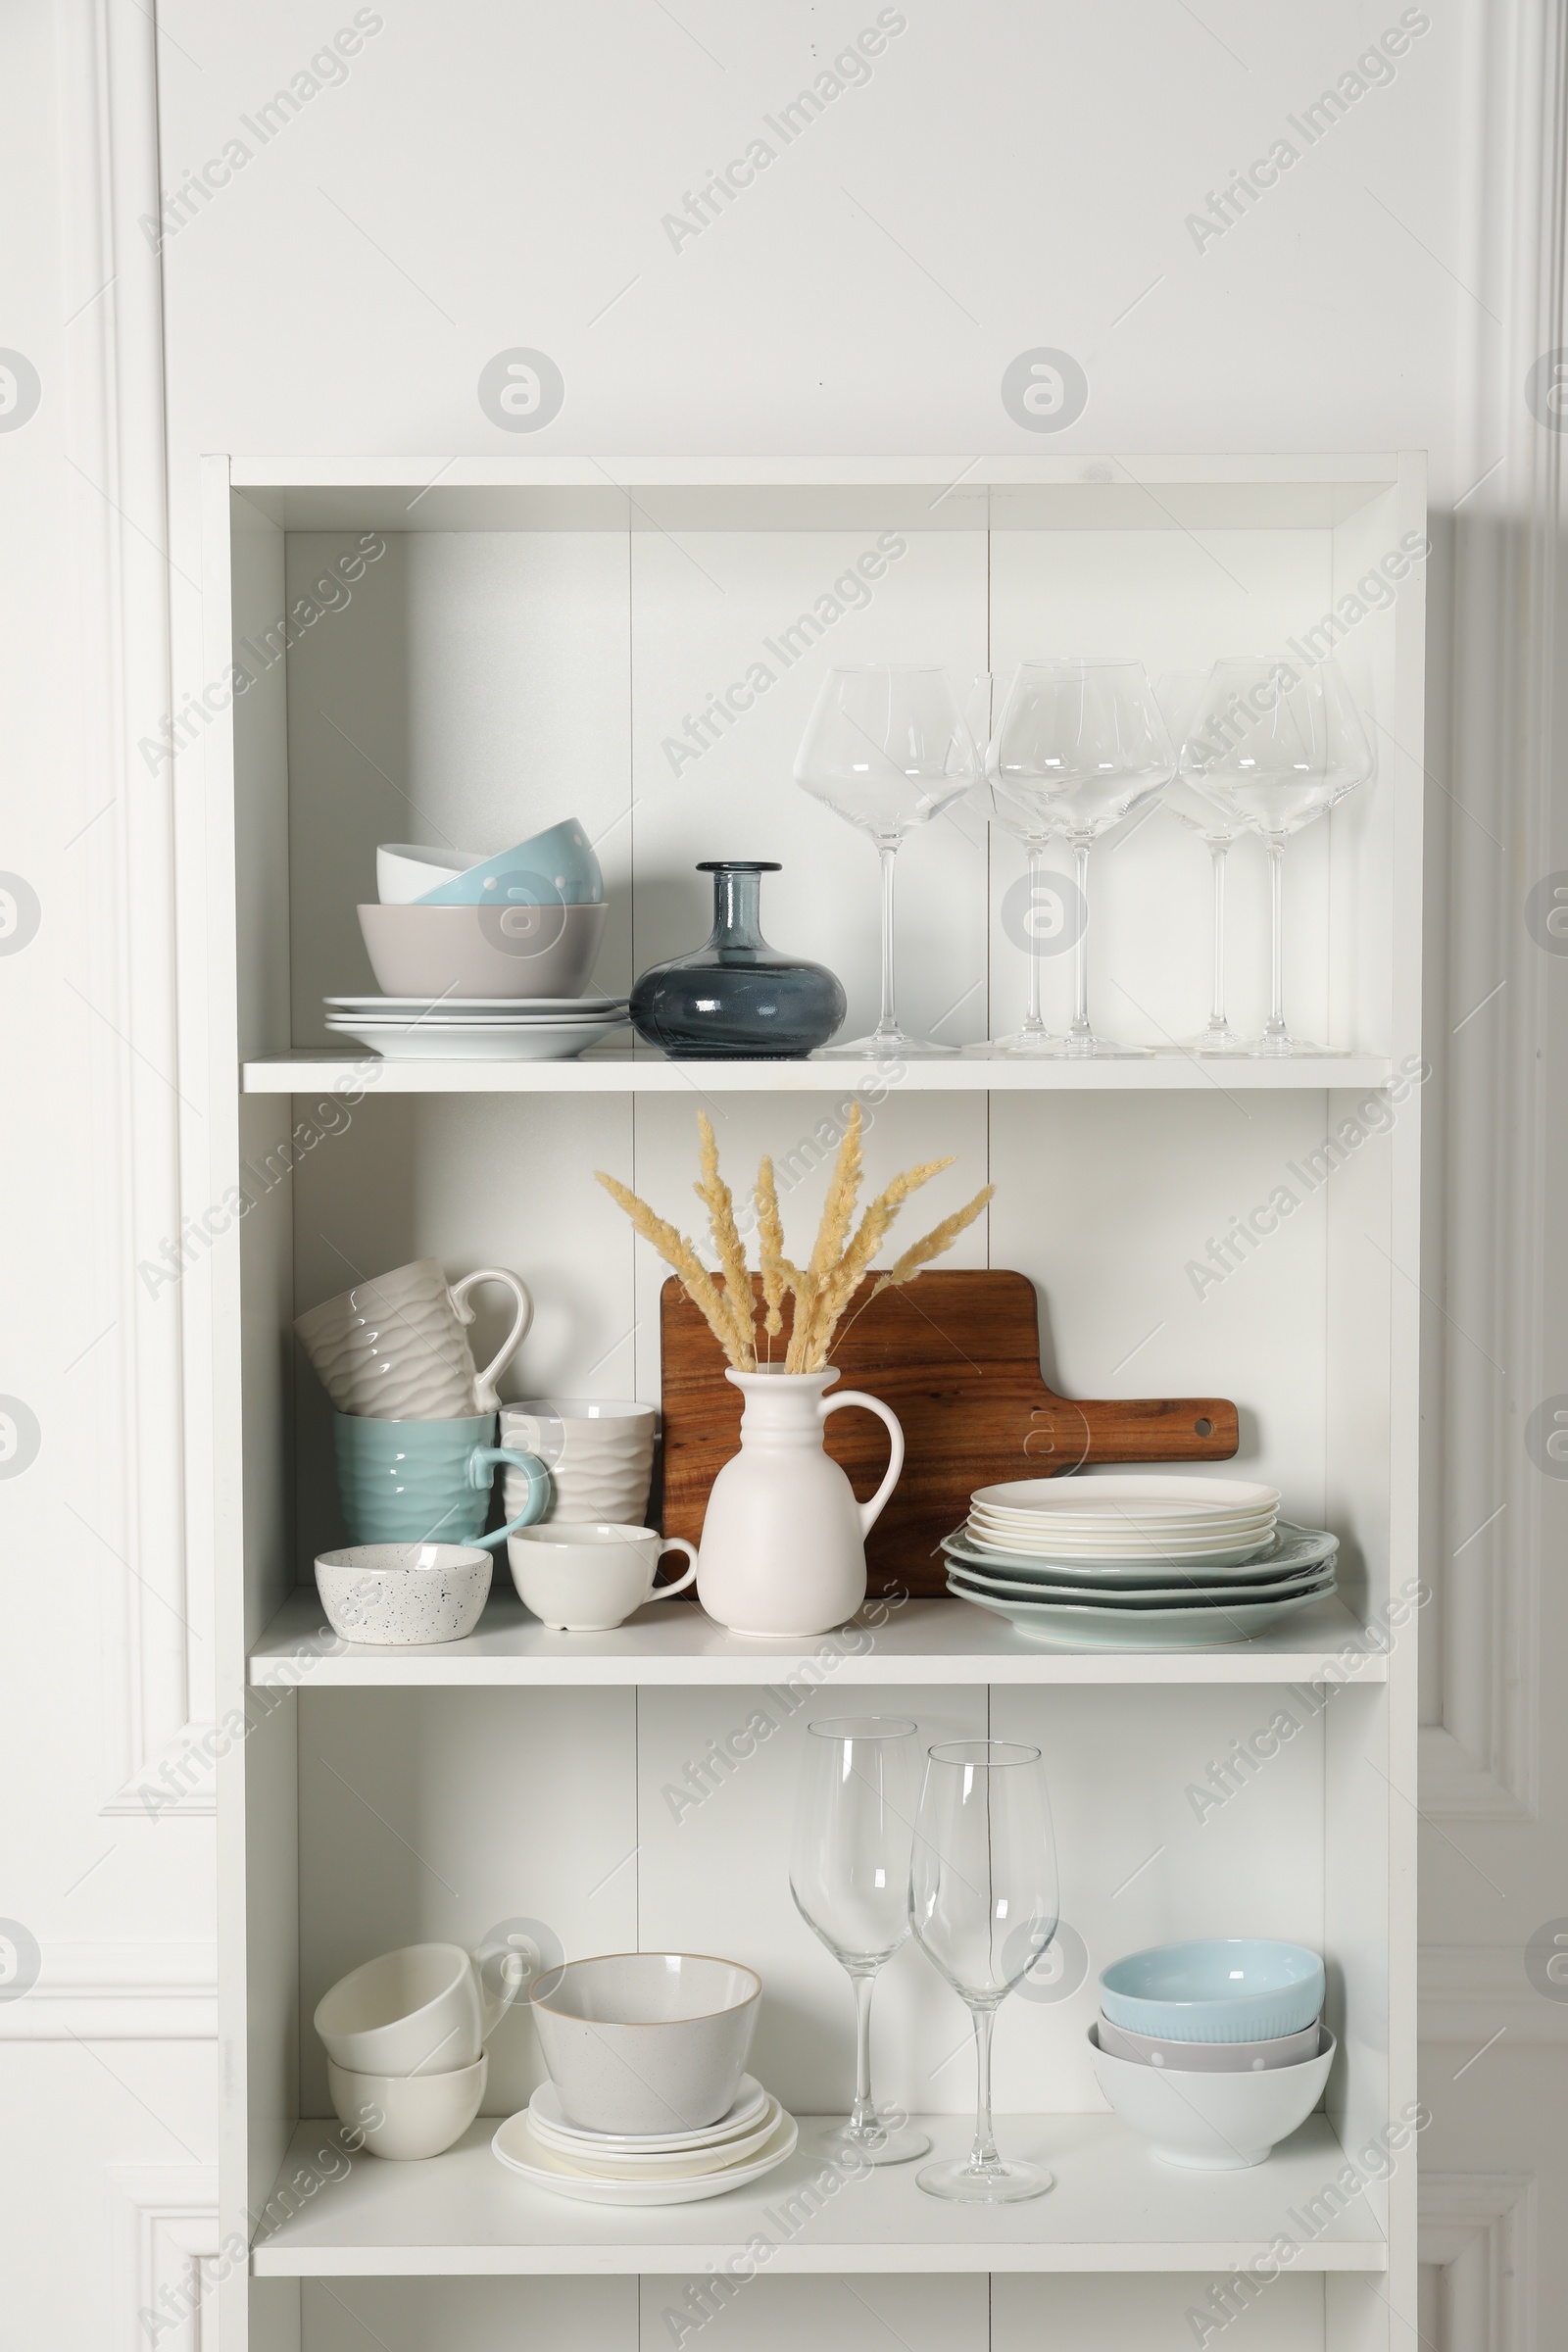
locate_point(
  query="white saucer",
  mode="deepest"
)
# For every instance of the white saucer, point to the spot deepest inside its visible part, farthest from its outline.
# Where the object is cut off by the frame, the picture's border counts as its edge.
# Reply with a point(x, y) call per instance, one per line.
point(517, 2147)
point(676, 2163)
point(468, 1005)
point(747, 2109)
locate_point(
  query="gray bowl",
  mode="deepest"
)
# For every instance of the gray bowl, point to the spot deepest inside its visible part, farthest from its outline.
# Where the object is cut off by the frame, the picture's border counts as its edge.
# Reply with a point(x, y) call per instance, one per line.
point(453, 953)
point(645, 2041)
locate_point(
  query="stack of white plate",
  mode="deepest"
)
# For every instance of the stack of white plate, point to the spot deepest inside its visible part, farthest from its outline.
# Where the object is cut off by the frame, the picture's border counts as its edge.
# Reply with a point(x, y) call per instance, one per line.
point(1137, 1562)
point(674, 2168)
point(475, 1028)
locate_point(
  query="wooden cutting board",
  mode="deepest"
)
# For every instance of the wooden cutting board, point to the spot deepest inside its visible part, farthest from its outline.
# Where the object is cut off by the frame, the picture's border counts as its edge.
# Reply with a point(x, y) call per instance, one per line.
point(957, 1356)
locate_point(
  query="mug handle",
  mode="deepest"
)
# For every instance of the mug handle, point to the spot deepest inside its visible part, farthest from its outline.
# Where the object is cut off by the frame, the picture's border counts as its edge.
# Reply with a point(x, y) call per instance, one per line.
point(481, 1469)
point(668, 1592)
point(485, 1399)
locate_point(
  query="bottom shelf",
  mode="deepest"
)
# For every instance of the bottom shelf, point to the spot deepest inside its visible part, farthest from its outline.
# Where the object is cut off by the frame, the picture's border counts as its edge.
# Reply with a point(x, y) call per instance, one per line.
point(1115, 2208)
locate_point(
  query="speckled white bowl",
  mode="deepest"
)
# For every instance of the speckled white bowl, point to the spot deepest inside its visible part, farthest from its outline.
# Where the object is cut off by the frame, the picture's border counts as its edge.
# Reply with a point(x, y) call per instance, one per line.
point(399, 1596)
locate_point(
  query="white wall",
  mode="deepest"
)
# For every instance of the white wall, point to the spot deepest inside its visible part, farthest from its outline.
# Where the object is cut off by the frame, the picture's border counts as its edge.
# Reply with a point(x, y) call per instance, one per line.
point(496, 177)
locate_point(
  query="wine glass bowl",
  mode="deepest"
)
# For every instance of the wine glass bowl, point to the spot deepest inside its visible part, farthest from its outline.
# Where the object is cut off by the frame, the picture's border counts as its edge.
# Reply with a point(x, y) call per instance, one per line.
point(849, 1878)
point(1275, 743)
point(983, 1906)
point(1181, 695)
point(1079, 745)
point(887, 749)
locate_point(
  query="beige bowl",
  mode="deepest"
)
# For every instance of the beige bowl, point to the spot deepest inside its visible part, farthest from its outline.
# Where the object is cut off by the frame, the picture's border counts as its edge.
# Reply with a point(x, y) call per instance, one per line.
point(645, 2041)
point(453, 953)
point(407, 2117)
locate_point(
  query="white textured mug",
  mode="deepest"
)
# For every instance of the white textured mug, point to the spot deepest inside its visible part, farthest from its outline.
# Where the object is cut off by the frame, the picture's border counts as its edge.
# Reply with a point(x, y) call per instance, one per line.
point(599, 1452)
point(588, 1579)
point(396, 1348)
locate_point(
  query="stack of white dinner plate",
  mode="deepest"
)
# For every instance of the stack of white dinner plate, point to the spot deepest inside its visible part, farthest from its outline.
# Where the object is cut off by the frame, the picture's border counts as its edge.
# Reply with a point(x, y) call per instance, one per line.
point(674, 2168)
point(1137, 1562)
point(475, 1028)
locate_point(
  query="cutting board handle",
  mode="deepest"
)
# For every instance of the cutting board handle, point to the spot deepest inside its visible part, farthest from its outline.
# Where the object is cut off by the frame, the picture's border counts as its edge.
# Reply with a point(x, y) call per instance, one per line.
point(872, 1511)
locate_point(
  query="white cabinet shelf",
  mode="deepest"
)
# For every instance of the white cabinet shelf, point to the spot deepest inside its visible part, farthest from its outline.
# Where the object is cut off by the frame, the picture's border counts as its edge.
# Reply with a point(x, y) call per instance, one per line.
point(622, 1071)
point(933, 1642)
point(1115, 2208)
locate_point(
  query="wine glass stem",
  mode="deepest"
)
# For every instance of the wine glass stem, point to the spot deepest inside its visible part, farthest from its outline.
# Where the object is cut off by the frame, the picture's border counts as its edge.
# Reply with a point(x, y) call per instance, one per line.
point(1080, 953)
point(985, 2146)
point(1034, 1023)
point(1276, 1031)
point(862, 2117)
point(887, 1026)
point(1218, 850)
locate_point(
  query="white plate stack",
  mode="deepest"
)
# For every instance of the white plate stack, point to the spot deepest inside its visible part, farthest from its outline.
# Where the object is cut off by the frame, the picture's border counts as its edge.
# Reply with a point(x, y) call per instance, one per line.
point(475, 1028)
point(1137, 1562)
point(674, 2168)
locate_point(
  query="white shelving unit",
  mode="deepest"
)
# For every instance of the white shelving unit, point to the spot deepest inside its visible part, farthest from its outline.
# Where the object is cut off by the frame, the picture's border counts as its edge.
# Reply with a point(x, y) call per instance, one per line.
point(520, 641)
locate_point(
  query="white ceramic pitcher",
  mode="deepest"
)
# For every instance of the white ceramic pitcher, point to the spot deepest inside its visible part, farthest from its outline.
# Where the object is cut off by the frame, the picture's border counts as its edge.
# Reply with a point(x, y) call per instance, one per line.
point(783, 1548)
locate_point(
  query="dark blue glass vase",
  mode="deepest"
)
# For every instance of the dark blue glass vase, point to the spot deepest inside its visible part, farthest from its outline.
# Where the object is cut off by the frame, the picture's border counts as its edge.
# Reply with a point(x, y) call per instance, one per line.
point(736, 999)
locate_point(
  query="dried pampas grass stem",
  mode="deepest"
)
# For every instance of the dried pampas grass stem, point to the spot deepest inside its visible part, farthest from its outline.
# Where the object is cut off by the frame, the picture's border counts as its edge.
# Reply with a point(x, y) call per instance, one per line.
point(840, 1259)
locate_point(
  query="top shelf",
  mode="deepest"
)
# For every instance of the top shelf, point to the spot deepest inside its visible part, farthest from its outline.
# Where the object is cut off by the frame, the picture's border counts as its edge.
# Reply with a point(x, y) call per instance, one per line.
point(625, 1072)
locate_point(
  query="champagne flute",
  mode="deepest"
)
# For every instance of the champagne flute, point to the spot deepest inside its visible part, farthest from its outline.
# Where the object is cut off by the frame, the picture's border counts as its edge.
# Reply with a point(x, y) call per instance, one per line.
point(850, 1876)
point(886, 749)
point(1276, 743)
point(983, 1905)
point(1080, 745)
point(1180, 695)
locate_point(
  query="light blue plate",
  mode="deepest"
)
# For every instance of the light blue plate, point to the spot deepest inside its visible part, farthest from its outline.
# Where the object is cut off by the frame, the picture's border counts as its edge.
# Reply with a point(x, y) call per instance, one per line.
point(1075, 1624)
point(1293, 1550)
point(1233, 1989)
point(1159, 1596)
point(554, 868)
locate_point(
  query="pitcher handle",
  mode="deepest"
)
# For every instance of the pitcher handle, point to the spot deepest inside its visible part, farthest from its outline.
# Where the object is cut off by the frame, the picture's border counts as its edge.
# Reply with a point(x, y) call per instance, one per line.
point(870, 1513)
point(485, 1399)
point(481, 1468)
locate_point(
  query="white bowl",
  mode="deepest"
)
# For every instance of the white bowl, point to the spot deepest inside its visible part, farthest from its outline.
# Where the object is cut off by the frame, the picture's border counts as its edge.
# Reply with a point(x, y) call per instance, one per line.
point(405, 872)
point(409, 2116)
point(415, 2011)
point(645, 2041)
point(1213, 2057)
point(1212, 2123)
point(396, 1596)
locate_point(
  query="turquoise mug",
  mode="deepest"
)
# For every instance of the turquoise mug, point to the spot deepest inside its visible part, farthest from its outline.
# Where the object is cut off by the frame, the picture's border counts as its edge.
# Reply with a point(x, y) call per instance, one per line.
point(428, 1482)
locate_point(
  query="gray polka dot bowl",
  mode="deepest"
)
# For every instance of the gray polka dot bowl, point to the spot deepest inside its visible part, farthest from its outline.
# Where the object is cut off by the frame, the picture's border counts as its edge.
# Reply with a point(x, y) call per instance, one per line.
point(400, 1595)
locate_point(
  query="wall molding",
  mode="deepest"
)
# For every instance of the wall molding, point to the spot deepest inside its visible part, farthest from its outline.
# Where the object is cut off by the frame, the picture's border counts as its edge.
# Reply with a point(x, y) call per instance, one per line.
point(1467, 1991)
point(1482, 1763)
point(118, 1992)
point(164, 2218)
point(132, 1506)
point(1479, 2229)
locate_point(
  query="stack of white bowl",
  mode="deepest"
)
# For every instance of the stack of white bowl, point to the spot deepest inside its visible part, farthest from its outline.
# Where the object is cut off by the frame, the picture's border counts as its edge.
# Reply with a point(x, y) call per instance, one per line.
point(483, 958)
point(648, 2101)
point(405, 2039)
point(1137, 1560)
point(1215, 2051)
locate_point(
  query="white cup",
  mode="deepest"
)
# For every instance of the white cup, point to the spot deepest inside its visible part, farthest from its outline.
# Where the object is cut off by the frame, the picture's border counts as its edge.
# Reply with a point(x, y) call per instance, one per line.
point(422, 2010)
point(396, 1348)
point(587, 1579)
point(408, 2115)
point(599, 1452)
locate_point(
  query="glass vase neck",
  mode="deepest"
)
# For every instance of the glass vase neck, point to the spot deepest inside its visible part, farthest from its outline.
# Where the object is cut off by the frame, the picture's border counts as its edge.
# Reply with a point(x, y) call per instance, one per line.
point(738, 904)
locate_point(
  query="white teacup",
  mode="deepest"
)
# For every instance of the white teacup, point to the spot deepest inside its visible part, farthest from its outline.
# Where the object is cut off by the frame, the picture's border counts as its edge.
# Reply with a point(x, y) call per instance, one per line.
point(422, 2010)
point(587, 1579)
point(396, 1348)
point(408, 2115)
point(599, 1452)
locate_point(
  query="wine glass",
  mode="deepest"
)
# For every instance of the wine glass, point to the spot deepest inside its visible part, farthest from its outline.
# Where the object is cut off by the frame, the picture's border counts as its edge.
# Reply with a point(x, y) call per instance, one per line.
point(1275, 743)
point(1181, 695)
point(1080, 745)
point(887, 749)
point(982, 1907)
point(850, 1876)
point(1033, 829)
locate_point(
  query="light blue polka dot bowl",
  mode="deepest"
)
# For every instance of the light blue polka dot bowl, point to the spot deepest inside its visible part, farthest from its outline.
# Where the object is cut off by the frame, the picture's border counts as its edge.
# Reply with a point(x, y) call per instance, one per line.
point(1238, 1989)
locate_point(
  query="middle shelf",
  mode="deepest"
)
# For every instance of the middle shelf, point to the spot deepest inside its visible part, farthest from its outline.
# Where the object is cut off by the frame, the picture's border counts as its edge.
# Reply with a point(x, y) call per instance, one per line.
point(935, 1642)
point(1114, 2208)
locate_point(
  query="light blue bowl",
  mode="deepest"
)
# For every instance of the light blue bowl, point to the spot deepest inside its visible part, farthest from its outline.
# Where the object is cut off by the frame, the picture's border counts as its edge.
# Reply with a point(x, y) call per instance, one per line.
point(1238, 1989)
point(554, 868)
